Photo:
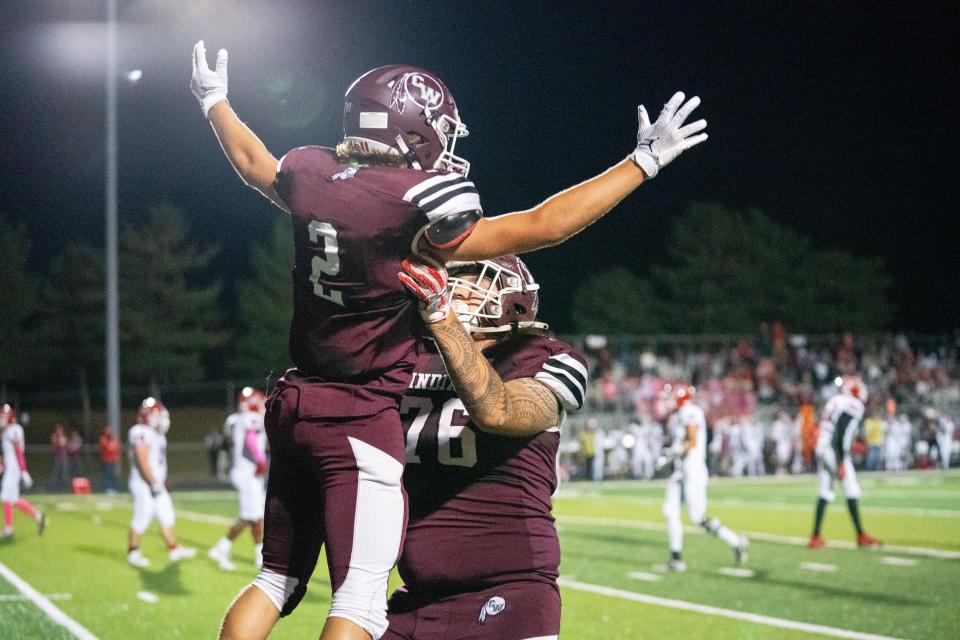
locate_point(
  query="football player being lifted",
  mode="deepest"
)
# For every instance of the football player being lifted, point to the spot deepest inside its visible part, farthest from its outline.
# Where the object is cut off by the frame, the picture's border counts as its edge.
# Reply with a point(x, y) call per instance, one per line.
point(392, 187)
point(13, 468)
point(244, 432)
point(148, 483)
point(482, 419)
point(687, 426)
point(838, 427)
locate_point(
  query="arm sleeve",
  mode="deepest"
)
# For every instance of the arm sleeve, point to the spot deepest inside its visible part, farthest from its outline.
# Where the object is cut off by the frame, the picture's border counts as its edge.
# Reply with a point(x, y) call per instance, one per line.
point(251, 445)
point(566, 376)
point(21, 458)
point(452, 207)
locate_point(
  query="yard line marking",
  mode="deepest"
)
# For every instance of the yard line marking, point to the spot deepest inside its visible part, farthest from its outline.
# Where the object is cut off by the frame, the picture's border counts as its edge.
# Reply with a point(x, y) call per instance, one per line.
point(644, 576)
point(898, 562)
point(819, 566)
point(941, 554)
point(780, 623)
point(196, 516)
point(22, 598)
point(737, 572)
point(773, 505)
point(45, 605)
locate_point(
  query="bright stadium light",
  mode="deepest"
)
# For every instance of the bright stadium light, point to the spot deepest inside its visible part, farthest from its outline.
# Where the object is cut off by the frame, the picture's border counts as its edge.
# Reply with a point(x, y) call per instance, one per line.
point(134, 76)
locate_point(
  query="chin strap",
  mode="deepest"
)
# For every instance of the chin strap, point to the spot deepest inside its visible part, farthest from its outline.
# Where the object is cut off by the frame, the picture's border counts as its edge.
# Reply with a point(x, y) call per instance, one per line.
point(408, 155)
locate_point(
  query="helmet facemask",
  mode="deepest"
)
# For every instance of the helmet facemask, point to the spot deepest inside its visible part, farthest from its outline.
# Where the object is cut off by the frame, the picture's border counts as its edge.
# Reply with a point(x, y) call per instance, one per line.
point(481, 291)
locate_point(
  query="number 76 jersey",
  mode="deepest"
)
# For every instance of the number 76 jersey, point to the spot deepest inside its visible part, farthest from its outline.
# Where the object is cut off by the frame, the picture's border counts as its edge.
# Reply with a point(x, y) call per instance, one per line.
point(479, 503)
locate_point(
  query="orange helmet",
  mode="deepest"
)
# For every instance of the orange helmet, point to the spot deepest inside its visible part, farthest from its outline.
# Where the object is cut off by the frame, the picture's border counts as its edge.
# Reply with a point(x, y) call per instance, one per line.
point(251, 399)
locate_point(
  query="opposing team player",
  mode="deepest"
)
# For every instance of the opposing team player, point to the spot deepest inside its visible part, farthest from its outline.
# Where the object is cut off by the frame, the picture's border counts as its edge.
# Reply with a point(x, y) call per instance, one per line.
point(687, 426)
point(148, 483)
point(13, 466)
point(482, 419)
point(248, 446)
point(838, 426)
point(392, 187)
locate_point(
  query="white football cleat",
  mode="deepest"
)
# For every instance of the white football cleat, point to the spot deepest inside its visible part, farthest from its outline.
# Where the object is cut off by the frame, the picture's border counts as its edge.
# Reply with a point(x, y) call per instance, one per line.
point(217, 555)
point(137, 559)
point(677, 565)
point(740, 551)
point(181, 553)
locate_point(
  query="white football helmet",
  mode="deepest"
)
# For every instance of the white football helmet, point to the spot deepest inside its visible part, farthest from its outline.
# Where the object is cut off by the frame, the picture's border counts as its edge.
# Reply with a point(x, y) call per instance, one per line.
point(153, 414)
point(852, 385)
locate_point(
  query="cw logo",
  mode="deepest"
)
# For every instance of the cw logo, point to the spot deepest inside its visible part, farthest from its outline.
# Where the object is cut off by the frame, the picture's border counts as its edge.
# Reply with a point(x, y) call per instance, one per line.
point(430, 96)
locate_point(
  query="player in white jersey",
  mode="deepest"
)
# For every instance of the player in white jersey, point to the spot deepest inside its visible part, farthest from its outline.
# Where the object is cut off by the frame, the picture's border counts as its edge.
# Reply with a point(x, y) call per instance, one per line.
point(248, 445)
point(13, 466)
point(148, 475)
point(688, 483)
point(753, 438)
point(782, 433)
point(838, 427)
point(945, 429)
point(737, 446)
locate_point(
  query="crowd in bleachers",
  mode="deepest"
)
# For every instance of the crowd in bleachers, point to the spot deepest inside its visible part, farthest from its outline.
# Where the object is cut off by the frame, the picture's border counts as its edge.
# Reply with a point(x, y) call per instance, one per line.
point(762, 398)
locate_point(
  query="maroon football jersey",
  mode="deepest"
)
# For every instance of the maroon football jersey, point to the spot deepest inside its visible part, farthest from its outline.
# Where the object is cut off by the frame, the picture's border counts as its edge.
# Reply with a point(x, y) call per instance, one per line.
point(353, 324)
point(479, 503)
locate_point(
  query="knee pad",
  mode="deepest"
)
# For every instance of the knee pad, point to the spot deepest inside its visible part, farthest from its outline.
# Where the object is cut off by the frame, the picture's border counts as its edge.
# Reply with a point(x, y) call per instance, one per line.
point(285, 592)
point(358, 609)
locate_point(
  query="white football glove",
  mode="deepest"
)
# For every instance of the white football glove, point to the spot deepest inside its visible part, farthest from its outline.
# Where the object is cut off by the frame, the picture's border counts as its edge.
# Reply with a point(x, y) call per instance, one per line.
point(156, 488)
point(209, 86)
point(26, 479)
point(427, 280)
point(665, 139)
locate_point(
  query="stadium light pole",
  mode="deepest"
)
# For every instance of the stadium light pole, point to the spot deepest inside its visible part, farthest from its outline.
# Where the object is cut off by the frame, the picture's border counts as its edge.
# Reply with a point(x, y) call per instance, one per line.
point(112, 320)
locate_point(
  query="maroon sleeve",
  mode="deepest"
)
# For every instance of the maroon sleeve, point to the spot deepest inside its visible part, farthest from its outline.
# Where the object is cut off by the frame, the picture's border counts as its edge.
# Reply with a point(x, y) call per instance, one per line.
point(552, 362)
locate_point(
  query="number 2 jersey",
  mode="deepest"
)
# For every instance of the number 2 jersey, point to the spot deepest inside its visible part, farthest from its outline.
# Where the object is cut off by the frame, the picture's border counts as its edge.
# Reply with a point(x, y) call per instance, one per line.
point(354, 327)
point(479, 503)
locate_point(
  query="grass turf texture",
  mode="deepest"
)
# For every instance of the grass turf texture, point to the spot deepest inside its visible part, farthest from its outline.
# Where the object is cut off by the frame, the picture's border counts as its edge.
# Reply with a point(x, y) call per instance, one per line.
point(607, 531)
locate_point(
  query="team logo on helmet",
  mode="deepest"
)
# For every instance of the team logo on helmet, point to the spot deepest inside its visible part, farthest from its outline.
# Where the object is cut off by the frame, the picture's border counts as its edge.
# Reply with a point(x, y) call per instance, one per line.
point(421, 90)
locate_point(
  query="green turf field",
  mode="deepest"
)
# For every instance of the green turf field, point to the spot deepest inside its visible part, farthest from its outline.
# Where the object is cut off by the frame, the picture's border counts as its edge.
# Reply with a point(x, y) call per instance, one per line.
point(613, 541)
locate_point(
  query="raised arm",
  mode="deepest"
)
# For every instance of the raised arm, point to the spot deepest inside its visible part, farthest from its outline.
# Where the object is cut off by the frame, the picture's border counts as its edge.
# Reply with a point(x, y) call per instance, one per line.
point(517, 408)
point(255, 165)
point(573, 210)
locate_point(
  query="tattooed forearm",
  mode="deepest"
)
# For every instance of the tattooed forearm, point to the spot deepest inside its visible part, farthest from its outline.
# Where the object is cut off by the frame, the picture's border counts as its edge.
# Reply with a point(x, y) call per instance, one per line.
point(519, 407)
point(477, 384)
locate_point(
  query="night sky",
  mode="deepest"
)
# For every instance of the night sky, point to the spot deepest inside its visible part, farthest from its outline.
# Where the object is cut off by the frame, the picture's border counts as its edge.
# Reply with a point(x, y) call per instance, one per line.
point(838, 121)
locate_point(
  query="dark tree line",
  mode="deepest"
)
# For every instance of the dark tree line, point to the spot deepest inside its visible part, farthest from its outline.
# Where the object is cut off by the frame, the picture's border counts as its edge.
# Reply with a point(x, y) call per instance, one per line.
point(727, 272)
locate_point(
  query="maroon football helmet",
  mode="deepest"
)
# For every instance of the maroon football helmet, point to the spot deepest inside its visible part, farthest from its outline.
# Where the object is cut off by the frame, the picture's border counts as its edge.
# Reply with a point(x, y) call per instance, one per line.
point(408, 111)
point(491, 296)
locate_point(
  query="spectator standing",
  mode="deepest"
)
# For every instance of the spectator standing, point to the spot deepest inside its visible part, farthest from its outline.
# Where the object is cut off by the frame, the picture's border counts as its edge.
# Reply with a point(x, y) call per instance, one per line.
point(75, 454)
point(109, 456)
point(588, 446)
point(213, 442)
point(60, 472)
point(873, 429)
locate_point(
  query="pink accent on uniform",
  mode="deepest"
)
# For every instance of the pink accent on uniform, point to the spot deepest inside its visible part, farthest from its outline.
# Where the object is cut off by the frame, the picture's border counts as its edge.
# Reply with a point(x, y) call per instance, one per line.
point(22, 459)
point(27, 508)
point(7, 514)
point(251, 444)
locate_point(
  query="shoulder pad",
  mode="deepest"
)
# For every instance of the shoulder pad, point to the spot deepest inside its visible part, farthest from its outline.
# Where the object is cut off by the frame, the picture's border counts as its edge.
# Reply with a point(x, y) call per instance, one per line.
point(453, 229)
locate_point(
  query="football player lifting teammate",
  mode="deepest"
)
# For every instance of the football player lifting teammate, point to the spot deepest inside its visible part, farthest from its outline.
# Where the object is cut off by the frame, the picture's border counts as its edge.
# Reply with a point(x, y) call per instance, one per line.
point(393, 187)
point(482, 419)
